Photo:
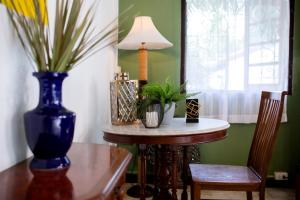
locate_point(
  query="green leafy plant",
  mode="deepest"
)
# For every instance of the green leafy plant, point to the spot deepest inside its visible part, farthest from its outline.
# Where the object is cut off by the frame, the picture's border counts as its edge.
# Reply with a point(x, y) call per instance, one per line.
point(166, 93)
point(72, 40)
point(162, 93)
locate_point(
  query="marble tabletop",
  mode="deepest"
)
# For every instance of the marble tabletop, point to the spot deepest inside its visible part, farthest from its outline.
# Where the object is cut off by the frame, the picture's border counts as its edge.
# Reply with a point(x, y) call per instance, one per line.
point(177, 127)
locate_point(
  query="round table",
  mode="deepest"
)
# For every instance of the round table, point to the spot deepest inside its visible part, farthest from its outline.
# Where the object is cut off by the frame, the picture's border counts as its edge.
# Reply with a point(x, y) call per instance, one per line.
point(169, 137)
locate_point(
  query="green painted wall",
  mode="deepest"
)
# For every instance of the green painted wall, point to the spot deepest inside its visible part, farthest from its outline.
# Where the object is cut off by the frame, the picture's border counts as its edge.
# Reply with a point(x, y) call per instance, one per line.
point(164, 63)
point(166, 17)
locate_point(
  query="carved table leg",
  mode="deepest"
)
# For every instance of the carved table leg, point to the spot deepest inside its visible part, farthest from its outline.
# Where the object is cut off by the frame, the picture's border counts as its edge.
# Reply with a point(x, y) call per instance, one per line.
point(164, 175)
point(184, 176)
point(156, 170)
point(142, 148)
point(174, 150)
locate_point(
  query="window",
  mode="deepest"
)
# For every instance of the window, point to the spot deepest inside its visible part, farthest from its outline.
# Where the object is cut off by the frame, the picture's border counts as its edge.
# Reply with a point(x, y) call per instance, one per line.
point(234, 49)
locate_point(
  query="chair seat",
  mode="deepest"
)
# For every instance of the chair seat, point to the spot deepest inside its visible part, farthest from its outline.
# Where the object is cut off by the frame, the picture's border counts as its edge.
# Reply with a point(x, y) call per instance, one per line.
point(225, 176)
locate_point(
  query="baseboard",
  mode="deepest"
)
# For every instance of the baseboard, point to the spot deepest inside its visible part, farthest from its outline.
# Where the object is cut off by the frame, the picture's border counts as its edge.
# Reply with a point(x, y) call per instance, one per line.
point(271, 182)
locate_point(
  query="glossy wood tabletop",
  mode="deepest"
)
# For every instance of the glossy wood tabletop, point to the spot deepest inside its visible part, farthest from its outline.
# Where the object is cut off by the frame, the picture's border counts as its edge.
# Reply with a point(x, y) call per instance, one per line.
point(95, 170)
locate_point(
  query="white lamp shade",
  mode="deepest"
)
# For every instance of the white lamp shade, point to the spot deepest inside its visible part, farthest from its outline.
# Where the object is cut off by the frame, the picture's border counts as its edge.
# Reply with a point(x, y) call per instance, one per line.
point(144, 35)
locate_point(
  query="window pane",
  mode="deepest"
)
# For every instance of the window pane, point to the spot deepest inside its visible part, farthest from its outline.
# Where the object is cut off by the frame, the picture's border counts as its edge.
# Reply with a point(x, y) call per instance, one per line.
point(234, 50)
point(263, 74)
point(264, 53)
point(215, 48)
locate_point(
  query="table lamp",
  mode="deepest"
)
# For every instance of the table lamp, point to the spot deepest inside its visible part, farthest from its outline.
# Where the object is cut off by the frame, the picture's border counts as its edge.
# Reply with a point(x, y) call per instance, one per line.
point(144, 36)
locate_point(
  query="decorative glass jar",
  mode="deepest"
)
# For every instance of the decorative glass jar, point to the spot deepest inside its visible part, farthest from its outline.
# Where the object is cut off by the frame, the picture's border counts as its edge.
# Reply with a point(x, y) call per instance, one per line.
point(152, 116)
point(123, 97)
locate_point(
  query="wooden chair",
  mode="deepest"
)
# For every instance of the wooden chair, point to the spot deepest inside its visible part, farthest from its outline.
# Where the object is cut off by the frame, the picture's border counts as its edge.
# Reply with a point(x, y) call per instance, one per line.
point(253, 176)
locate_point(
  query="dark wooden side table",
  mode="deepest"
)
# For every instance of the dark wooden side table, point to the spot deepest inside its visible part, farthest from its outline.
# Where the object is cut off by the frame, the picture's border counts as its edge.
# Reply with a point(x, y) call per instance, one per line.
point(96, 172)
point(168, 138)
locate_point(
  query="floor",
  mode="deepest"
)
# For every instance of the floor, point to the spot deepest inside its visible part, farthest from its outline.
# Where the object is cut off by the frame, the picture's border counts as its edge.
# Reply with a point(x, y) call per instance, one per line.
point(271, 194)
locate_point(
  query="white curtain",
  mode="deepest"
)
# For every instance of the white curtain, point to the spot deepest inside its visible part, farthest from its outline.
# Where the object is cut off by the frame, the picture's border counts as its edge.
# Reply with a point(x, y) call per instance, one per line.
point(236, 49)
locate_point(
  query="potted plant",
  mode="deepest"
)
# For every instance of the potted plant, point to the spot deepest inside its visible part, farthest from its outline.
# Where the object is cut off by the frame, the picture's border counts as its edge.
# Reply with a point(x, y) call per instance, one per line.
point(54, 50)
point(166, 95)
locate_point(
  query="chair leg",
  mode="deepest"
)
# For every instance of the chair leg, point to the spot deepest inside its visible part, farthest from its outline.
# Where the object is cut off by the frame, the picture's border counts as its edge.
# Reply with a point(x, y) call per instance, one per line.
point(192, 191)
point(262, 194)
point(249, 195)
point(195, 191)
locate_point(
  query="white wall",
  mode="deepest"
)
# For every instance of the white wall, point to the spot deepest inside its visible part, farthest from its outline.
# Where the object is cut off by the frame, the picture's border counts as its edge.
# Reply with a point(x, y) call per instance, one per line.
point(85, 91)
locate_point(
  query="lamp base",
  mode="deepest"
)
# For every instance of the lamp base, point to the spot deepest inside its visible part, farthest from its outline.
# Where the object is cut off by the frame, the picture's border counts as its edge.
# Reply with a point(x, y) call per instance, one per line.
point(134, 191)
point(141, 83)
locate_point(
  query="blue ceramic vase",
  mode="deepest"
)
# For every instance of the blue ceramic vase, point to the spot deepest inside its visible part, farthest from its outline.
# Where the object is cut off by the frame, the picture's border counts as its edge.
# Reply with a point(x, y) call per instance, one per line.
point(50, 126)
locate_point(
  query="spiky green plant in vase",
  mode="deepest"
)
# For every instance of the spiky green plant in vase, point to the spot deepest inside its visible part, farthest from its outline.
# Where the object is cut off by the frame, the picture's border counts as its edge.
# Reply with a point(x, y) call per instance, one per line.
point(55, 49)
point(72, 39)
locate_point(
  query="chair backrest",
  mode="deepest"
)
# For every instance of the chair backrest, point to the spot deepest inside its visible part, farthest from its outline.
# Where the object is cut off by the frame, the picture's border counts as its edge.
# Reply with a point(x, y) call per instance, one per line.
point(269, 118)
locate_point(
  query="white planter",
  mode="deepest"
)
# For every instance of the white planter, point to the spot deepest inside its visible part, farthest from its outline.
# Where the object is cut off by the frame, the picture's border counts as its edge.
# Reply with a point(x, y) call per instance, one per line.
point(169, 114)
